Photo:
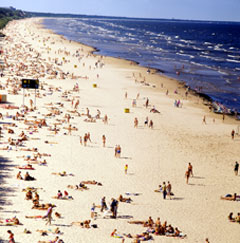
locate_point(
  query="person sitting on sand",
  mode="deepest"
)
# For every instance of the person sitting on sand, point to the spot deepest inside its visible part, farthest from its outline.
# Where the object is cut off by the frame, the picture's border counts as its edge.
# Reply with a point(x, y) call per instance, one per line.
point(230, 217)
point(19, 177)
point(237, 218)
point(59, 194)
point(28, 195)
point(153, 110)
point(177, 233)
point(27, 177)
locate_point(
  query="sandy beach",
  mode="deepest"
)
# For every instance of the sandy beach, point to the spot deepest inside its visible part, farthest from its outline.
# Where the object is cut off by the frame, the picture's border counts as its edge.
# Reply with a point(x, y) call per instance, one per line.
point(83, 93)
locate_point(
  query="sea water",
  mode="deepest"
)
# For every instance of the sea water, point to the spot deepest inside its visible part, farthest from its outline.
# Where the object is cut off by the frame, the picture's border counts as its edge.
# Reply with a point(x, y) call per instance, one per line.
point(205, 55)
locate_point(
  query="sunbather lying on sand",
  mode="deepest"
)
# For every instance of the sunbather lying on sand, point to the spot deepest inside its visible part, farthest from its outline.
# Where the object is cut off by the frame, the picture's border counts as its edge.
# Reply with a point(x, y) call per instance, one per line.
point(124, 199)
point(231, 197)
point(10, 222)
point(34, 217)
point(33, 189)
point(137, 222)
point(52, 231)
point(64, 173)
point(42, 206)
point(92, 182)
point(83, 224)
point(78, 187)
point(25, 167)
point(56, 240)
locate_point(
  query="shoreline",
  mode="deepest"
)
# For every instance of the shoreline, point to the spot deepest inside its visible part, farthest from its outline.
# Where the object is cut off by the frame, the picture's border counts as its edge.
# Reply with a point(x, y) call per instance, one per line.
point(206, 98)
point(154, 155)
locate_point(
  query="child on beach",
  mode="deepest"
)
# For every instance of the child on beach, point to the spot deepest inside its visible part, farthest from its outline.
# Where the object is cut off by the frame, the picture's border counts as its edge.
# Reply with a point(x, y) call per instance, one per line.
point(93, 211)
point(126, 168)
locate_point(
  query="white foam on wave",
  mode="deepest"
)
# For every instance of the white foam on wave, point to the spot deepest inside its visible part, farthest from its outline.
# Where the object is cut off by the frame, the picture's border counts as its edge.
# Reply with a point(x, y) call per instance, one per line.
point(232, 60)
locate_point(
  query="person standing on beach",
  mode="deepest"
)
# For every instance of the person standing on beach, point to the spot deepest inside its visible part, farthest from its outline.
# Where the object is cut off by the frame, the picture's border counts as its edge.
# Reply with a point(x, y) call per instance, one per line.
point(146, 121)
point(103, 204)
point(114, 206)
point(11, 236)
point(204, 120)
point(135, 122)
point(126, 168)
point(147, 103)
point(164, 189)
point(104, 140)
point(169, 190)
point(151, 124)
point(233, 134)
point(236, 167)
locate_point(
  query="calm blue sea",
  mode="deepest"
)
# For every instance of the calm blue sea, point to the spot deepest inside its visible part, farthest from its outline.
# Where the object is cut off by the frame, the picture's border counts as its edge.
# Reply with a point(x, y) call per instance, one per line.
point(206, 55)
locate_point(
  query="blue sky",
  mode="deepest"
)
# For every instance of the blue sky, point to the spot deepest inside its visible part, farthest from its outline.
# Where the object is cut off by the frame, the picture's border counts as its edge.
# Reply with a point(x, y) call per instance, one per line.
point(225, 10)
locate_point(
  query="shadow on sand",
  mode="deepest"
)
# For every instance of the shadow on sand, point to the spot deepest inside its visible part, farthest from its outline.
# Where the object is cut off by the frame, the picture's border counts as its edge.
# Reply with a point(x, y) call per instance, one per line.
point(6, 191)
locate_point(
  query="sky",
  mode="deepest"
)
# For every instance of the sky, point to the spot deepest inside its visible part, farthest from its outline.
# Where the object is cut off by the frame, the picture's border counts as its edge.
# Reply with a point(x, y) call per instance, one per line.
point(223, 10)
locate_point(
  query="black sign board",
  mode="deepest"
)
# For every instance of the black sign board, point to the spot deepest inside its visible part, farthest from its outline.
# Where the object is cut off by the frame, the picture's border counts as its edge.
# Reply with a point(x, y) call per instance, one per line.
point(30, 83)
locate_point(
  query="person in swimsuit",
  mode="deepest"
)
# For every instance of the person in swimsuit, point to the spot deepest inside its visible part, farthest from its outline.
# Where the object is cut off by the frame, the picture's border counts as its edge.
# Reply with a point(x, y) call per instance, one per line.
point(11, 237)
point(187, 175)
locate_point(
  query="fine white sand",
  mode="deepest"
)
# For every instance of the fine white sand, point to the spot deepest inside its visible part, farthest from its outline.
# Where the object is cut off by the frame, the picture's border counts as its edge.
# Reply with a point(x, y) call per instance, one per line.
point(153, 155)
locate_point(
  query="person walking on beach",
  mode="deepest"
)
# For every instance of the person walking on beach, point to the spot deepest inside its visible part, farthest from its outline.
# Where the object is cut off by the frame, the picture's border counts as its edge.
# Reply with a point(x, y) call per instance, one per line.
point(164, 189)
point(233, 134)
point(190, 169)
point(126, 168)
point(236, 167)
point(49, 215)
point(11, 236)
point(187, 175)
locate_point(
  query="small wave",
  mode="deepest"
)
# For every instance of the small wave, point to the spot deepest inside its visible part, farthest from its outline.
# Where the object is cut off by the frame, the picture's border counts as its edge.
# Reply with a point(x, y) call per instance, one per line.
point(223, 72)
point(238, 57)
point(231, 60)
point(186, 55)
point(228, 81)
